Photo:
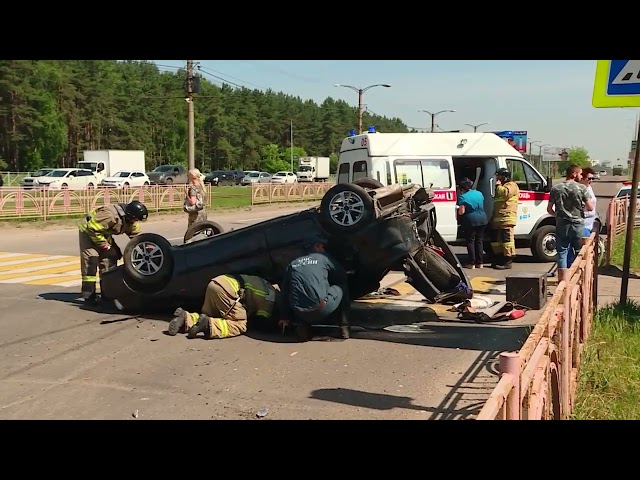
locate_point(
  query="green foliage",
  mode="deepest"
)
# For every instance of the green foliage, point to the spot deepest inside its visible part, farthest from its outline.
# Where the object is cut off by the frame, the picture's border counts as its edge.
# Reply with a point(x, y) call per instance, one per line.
point(53, 110)
point(578, 156)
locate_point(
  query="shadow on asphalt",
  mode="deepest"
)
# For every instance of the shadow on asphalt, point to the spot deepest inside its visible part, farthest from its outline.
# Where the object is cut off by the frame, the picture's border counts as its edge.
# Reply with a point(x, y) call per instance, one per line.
point(613, 271)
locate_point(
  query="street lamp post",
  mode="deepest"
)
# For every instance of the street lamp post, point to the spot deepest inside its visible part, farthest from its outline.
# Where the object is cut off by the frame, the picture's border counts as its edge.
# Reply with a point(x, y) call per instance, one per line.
point(475, 127)
point(360, 92)
point(541, 159)
point(531, 144)
point(433, 117)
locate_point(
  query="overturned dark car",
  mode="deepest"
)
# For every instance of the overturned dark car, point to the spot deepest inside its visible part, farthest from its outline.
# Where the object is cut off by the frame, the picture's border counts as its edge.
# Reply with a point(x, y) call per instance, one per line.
point(372, 230)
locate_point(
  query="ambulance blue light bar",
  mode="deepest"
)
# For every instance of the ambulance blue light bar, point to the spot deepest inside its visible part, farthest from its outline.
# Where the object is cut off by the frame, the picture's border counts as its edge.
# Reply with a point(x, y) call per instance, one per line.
point(372, 129)
point(352, 133)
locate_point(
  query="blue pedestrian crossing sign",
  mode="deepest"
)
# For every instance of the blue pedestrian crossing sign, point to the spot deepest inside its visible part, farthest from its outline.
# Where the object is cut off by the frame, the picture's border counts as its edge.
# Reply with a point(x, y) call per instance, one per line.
point(617, 84)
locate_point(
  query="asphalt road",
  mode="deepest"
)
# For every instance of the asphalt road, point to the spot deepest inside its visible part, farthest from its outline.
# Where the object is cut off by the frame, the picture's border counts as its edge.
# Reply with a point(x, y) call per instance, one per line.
point(60, 361)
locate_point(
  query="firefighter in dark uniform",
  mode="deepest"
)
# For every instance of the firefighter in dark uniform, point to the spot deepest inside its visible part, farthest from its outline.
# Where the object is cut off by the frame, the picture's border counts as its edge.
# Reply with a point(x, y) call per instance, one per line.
point(232, 304)
point(98, 250)
point(315, 290)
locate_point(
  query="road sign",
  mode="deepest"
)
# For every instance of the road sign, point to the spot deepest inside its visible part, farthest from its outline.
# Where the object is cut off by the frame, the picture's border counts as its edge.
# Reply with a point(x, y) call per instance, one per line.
point(554, 154)
point(617, 84)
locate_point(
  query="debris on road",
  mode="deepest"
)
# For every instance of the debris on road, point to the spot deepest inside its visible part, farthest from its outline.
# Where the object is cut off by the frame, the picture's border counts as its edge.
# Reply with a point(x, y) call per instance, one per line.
point(262, 412)
point(293, 354)
point(135, 414)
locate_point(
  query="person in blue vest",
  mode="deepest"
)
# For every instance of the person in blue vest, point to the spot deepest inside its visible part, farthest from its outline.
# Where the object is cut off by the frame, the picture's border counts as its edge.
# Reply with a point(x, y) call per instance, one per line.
point(474, 220)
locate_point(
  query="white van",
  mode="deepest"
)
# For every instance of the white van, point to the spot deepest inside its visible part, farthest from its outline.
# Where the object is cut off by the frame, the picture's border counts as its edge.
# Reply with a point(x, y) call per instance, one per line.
point(437, 161)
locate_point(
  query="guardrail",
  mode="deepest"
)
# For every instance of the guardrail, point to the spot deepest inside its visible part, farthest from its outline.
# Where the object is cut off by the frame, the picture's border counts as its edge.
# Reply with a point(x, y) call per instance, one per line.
point(617, 219)
point(42, 203)
point(539, 382)
point(290, 192)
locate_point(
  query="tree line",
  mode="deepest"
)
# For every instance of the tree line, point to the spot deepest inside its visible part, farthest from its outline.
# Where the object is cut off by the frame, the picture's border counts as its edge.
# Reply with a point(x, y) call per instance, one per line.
point(53, 110)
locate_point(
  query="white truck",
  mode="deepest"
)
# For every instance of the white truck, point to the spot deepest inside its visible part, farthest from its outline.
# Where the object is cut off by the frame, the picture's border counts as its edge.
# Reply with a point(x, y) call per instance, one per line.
point(313, 169)
point(105, 163)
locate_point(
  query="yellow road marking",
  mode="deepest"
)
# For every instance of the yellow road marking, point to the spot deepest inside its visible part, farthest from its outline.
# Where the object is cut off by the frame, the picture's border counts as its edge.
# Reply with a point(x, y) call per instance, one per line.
point(54, 280)
point(48, 261)
point(67, 268)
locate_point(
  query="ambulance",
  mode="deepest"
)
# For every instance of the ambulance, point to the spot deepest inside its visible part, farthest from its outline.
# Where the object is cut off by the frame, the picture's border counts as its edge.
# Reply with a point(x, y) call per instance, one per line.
point(437, 161)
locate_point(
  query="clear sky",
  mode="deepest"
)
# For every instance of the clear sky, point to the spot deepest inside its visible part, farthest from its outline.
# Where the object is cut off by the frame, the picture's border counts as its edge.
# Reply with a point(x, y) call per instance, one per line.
point(551, 99)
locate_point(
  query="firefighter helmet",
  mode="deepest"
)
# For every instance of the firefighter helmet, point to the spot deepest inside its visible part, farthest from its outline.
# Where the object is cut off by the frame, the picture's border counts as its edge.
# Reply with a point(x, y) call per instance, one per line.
point(136, 210)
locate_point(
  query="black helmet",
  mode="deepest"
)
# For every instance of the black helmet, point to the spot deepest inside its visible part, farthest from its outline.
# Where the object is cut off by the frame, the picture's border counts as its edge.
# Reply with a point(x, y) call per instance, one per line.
point(136, 210)
point(503, 172)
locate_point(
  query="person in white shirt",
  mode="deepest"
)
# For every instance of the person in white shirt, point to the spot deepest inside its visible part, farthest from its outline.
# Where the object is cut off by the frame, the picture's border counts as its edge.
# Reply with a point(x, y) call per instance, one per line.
point(588, 174)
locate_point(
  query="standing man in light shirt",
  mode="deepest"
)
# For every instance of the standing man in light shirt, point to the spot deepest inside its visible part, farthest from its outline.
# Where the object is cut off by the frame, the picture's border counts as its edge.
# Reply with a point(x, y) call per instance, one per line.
point(588, 175)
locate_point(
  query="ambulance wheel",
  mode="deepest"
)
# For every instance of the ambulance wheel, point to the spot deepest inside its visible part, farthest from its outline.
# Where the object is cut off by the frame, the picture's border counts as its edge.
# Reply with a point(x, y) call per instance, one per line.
point(543, 244)
point(369, 183)
point(148, 260)
point(346, 209)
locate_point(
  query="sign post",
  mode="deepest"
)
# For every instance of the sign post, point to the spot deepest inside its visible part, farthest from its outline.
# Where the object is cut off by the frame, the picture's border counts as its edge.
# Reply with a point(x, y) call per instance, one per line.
point(617, 85)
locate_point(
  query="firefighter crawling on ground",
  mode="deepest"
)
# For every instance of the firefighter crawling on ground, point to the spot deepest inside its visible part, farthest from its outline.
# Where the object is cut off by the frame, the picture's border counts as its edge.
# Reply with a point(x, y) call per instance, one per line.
point(98, 250)
point(231, 302)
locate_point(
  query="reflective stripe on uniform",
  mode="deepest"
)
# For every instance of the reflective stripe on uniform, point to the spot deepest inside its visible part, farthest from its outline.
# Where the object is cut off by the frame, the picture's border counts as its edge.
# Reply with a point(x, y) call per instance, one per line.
point(255, 290)
point(233, 282)
point(89, 278)
point(93, 229)
point(263, 313)
point(135, 228)
point(224, 327)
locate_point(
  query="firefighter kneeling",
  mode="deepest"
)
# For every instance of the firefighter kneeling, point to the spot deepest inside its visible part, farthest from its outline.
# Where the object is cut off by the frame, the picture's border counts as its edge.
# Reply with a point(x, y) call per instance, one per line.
point(229, 303)
point(98, 250)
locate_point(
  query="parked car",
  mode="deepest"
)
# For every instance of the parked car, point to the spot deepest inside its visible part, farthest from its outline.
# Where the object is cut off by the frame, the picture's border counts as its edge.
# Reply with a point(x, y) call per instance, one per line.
point(126, 179)
point(220, 177)
point(68, 178)
point(370, 232)
point(250, 178)
point(625, 191)
point(168, 175)
point(32, 181)
point(265, 177)
point(284, 177)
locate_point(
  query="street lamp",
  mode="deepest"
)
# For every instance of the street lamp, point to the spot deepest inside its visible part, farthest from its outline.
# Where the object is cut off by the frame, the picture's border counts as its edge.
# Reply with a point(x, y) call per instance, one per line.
point(475, 127)
point(433, 117)
point(360, 92)
point(531, 144)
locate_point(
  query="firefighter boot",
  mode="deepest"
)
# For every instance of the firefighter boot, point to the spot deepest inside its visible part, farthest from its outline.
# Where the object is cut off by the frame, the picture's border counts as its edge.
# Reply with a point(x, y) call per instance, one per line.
point(203, 325)
point(506, 265)
point(345, 328)
point(498, 260)
point(178, 322)
point(88, 293)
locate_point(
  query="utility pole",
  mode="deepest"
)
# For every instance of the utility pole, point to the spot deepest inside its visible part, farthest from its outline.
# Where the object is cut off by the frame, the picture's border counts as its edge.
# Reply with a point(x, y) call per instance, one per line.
point(631, 222)
point(191, 144)
point(360, 92)
point(292, 145)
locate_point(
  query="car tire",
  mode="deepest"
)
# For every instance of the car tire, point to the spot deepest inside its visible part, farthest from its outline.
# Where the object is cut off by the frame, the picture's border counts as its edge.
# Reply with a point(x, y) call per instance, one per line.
point(443, 276)
point(369, 183)
point(200, 227)
point(332, 205)
point(148, 271)
point(543, 243)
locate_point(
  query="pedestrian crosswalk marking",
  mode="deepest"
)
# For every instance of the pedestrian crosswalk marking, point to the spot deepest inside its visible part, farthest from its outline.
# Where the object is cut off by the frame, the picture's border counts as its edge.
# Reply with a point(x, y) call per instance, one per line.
point(34, 269)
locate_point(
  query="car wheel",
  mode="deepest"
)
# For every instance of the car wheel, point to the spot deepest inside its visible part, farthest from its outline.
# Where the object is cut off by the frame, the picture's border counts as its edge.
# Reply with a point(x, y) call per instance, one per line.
point(346, 208)
point(148, 259)
point(543, 244)
point(169, 181)
point(443, 276)
point(145, 184)
point(370, 183)
point(207, 228)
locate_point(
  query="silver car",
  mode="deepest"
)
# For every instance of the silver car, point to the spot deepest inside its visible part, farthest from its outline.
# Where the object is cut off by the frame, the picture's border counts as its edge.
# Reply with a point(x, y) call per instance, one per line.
point(250, 177)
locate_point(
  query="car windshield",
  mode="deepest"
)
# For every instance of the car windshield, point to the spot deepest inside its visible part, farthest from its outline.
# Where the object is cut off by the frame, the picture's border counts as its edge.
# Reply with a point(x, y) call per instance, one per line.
point(57, 173)
point(304, 168)
point(254, 175)
point(122, 174)
point(164, 168)
point(40, 173)
point(281, 174)
point(625, 192)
